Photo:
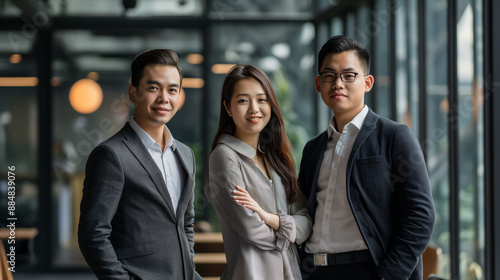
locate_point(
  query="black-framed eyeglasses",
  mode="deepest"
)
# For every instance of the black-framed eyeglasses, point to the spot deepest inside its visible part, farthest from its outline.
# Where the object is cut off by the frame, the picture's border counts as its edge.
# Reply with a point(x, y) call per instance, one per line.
point(346, 77)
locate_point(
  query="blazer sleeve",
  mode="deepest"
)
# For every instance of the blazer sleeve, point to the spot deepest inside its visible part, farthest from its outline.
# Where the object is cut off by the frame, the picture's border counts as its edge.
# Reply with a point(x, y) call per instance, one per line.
point(190, 213)
point(224, 175)
point(295, 226)
point(302, 220)
point(309, 166)
point(410, 182)
point(103, 185)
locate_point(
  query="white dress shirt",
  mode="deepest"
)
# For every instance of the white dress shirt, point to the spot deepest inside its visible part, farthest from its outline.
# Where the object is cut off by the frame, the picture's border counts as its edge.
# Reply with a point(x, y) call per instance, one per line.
point(166, 161)
point(335, 229)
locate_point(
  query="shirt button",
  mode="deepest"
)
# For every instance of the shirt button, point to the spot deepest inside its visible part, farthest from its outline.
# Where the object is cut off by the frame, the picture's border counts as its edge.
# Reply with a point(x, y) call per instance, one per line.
point(326, 216)
point(324, 236)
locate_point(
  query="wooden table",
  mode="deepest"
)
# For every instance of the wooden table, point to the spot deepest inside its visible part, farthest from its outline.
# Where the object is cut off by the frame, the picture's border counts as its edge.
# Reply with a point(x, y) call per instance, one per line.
point(20, 234)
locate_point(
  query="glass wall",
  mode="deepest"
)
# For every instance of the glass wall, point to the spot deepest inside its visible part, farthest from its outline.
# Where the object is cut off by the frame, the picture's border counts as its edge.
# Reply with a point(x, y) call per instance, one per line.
point(230, 9)
point(381, 18)
point(18, 136)
point(436, 143)
point(470, 133)
point(372, 25)
point(406, 79)
point(365, 30)
point(323, 113)
point(145, 8)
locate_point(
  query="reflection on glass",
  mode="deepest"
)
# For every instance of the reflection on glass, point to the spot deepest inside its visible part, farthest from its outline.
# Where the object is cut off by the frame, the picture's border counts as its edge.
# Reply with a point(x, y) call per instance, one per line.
point(337, 26)
point(436, 143)
point(470, 123)
point(324, 114)
point(407, 65)
point(381, 102)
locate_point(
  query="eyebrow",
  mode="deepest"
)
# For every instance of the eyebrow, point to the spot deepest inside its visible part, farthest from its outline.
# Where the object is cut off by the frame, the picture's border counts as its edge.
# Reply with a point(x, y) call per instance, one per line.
point(246, 94)
point(350, 69)
point(154, 82)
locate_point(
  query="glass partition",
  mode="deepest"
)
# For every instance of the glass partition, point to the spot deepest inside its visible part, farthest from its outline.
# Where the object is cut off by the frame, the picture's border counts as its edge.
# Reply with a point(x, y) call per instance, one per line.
point(224, 9)
point(407, 65)
point(18, 139)
point(131, 8)
point(470, 132)
point(436, 143)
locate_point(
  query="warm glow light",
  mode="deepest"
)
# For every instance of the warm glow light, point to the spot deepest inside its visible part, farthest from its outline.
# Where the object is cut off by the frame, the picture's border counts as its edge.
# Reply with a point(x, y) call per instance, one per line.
point(55, 81)
point(85, 96)
point(93, 76)
point(195, 58)
point(221, 68)
point(193, 83)
point(15, 58)
point(18, 81)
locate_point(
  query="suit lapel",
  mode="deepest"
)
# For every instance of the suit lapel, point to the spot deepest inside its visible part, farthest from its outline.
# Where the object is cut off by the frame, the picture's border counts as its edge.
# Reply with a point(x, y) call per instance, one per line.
point(184, 156)
point(136, 147)
point(368, 126)
point(317, 158)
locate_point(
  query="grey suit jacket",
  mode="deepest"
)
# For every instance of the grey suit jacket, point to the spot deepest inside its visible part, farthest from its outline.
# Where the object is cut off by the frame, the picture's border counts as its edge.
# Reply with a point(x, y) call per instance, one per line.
point(128, 228)
point(253, 249)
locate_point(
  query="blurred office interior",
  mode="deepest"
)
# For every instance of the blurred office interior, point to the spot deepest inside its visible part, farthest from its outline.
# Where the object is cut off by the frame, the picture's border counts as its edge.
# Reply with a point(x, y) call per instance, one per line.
point(435, 64)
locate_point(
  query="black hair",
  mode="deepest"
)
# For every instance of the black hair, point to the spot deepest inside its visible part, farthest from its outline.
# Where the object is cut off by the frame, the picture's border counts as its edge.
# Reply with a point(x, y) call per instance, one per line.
point(341, 43)
point(157, 56)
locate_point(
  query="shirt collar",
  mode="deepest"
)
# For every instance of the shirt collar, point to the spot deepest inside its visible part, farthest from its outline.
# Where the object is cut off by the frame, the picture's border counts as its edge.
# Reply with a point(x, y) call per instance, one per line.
point(147, 140)
point(356, 122)
point(238, 145)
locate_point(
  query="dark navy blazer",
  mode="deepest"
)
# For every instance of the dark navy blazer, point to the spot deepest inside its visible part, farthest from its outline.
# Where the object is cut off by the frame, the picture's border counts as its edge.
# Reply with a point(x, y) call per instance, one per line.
point(388, 190)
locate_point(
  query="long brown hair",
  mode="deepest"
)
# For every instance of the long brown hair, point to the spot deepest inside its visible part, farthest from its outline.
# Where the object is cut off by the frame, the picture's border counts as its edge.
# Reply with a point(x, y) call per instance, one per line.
point(273, 140)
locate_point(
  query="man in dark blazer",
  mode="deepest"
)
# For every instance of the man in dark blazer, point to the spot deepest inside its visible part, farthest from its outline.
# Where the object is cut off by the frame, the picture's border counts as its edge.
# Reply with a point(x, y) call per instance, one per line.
point(137, 211)
point(365, 179)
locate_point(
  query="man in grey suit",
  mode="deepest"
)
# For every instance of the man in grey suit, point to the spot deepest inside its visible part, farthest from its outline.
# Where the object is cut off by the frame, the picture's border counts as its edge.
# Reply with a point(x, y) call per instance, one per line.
point(137, 211)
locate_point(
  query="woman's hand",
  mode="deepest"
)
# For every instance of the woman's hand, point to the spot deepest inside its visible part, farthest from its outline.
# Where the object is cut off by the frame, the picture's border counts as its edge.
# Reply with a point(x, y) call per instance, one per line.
point(243, 198)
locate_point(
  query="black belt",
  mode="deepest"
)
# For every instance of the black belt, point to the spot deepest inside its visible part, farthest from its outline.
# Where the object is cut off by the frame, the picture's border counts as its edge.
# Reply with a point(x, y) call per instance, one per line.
point(341, 258)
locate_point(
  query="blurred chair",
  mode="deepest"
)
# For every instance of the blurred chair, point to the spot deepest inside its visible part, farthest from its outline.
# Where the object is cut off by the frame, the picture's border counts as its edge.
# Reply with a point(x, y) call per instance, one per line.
point(475, 271)
point(430, 260)
point(470, 269)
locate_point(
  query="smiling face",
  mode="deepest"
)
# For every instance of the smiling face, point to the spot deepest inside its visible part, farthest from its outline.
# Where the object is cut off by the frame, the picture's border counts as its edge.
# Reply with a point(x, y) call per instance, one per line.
point(250, 110)
point(156, 99)
point(344, 99)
